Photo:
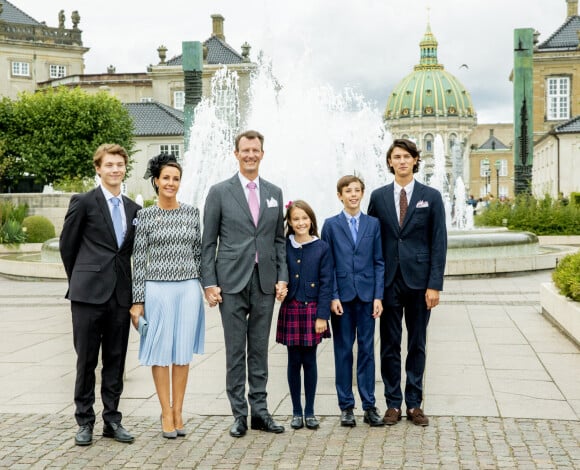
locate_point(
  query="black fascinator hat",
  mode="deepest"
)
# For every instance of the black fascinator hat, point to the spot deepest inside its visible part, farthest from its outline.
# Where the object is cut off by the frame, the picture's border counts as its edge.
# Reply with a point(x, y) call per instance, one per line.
point(156, 164)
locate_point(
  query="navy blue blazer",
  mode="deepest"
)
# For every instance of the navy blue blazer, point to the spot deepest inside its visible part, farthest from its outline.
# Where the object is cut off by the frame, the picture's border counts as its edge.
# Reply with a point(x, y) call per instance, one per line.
point(359, 269)
point(311, 275)
point(419, 247)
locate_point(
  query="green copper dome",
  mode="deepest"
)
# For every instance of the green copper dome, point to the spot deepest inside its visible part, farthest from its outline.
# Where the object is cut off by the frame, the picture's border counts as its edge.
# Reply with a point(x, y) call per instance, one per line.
point(429, 91)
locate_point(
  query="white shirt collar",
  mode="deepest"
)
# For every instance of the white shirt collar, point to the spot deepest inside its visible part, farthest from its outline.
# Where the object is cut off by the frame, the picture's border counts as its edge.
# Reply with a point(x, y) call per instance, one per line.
point(296, 244)
point(245, 181)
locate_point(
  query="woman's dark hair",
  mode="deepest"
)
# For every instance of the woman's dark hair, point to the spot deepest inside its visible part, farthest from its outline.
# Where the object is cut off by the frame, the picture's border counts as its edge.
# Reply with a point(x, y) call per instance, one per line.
point(407, 145)
point(156, 164)
point(300, 204)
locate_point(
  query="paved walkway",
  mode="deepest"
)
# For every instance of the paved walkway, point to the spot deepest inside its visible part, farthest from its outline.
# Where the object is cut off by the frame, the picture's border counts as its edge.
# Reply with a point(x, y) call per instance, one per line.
point(502, 389)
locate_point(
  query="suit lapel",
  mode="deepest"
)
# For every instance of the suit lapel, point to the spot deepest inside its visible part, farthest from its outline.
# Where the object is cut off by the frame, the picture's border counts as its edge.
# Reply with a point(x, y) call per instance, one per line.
point(103, 205)
point(264, 196)
point(363, 225)
point(390, 205)
point(343, 224)
point(239, 194)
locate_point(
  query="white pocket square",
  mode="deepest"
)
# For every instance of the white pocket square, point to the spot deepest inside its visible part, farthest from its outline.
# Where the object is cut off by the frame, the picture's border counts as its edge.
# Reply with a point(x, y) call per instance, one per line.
point(272, 202)
point(422, 204)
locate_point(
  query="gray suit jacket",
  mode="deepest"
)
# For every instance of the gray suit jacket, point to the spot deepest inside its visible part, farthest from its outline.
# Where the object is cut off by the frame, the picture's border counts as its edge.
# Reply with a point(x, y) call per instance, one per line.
point(230, 238)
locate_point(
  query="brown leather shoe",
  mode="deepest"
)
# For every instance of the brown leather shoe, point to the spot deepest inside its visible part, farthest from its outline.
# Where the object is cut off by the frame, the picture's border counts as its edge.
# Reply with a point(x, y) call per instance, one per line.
point(418, 417)
point(392, 416)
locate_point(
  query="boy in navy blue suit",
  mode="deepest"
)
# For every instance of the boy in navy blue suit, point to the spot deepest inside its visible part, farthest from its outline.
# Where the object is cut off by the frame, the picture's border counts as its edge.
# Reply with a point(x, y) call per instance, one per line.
point(355, 242)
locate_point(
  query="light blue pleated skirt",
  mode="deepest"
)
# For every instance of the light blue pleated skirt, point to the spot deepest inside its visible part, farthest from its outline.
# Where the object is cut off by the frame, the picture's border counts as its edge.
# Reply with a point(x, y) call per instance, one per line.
point(176, 316)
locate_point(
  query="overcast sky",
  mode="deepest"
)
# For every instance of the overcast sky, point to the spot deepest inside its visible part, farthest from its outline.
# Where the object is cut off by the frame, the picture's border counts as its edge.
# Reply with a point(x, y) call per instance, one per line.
point(366, 44)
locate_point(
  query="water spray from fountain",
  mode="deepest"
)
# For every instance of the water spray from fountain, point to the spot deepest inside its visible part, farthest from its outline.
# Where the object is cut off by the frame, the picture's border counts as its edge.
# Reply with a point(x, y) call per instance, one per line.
point(313, 136)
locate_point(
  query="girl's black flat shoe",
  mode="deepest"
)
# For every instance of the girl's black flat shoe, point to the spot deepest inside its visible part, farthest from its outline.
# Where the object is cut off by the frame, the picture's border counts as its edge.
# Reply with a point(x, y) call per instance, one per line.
point(297, 422)
point(312, 422)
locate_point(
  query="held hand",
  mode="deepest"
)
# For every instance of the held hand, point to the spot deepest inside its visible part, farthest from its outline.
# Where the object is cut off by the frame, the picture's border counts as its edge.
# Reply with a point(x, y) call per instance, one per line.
point(377, 308)
point(432, 298)
point(213, 295)
point(336, 307)
point(320, 326)
point(281, 290)
point(136, 311)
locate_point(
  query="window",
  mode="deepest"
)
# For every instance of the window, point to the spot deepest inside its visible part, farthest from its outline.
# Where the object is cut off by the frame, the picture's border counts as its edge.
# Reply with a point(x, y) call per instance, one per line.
point(452, 141)
point(20, 69)
point(179, 100)
point(146, 99)
point(503, 169)
point(429, 143)
point(171, 149)
point(57, 71)
point(558, 98)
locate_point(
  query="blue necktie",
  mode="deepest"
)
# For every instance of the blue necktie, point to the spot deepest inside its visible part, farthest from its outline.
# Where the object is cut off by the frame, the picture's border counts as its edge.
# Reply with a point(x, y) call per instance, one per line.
point(353, 229)
point(117, 221)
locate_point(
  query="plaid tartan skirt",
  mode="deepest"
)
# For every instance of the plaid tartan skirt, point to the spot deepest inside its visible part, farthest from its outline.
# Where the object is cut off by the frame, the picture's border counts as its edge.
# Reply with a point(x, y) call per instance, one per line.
point(296, 322)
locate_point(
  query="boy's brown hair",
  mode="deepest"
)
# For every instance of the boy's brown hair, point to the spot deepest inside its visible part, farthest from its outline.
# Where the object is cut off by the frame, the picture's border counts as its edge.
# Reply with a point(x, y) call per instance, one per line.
point(346, 180)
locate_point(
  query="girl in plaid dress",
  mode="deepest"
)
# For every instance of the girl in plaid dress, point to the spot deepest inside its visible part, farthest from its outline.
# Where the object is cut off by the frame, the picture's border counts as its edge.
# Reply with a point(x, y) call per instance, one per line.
point(304, 314)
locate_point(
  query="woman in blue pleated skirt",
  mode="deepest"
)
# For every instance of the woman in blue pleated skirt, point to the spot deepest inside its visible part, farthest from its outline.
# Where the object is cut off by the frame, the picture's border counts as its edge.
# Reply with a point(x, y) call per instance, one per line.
point(167, 292)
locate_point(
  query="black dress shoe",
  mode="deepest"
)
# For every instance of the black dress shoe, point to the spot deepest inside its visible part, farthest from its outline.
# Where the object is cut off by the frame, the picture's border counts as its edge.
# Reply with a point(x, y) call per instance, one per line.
point(297, 422)
point(117, 432)
point(373, 418)
point(84, 436)
point(312, 422)
point(266, 423)
point(239, 427)
point(347, 418)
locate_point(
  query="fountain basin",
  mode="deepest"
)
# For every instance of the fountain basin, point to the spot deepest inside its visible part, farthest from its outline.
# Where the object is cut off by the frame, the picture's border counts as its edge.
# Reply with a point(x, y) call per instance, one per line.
point(490, 243)
point(24, 262)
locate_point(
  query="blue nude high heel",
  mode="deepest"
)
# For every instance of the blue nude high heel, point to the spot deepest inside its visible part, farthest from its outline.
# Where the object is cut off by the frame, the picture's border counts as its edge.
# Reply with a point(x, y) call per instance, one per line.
point(168, 434)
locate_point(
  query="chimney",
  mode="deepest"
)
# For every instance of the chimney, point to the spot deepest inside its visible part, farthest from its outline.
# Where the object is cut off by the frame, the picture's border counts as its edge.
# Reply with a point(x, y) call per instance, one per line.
point(218, 26)
point(491, 132)
point(572, 8)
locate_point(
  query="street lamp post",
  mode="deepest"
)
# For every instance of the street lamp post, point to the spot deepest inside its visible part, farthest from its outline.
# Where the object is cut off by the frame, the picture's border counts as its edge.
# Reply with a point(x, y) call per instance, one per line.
point(497, 168)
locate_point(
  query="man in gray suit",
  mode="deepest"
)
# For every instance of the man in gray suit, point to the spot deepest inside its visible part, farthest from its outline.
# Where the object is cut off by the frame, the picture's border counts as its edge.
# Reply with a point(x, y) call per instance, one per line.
point(244, 270)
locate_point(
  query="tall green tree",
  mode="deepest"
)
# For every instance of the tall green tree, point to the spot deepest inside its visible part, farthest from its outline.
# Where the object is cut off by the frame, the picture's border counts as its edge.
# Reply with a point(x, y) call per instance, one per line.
point(53, 134)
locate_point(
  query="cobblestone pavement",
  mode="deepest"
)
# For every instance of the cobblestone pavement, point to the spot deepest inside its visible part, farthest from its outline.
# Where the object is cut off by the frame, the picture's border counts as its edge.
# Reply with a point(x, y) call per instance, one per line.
point(502, 390)
point(45, 441)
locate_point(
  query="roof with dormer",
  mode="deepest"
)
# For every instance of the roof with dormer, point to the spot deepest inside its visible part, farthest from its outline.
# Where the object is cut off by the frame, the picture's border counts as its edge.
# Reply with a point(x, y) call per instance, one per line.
point(13, 14)
point(155, 119)
point(564, 38)
point(429, 91)
point(493, 143)
point(218, 52)
point(571, 126)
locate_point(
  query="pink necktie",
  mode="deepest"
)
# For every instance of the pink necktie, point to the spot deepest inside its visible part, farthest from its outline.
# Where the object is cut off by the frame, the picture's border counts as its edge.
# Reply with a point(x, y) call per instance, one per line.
point(253, 202)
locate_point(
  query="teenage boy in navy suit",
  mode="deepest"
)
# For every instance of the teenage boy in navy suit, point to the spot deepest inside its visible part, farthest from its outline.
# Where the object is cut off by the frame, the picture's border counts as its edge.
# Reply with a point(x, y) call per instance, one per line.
point(355, 242)
point(412, 218)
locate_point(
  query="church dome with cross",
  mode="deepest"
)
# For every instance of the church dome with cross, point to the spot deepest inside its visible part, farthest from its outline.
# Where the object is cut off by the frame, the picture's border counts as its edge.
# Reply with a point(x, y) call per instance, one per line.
point(428, 102)
point(429, 90)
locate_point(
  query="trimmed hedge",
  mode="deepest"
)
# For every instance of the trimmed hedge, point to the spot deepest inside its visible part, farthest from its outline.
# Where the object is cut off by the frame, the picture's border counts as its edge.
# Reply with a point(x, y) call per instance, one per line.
point(566, 276)
point(540, 216)
point(38, 229)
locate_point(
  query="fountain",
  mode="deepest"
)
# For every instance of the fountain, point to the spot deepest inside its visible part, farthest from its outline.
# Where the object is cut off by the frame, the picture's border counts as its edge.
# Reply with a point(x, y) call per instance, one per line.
point(306, 126)
point(315, 134)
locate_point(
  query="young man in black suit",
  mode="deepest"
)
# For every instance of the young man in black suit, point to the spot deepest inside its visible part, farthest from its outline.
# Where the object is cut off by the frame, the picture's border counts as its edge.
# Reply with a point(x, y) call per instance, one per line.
point(96, 245)
point(414, 239)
